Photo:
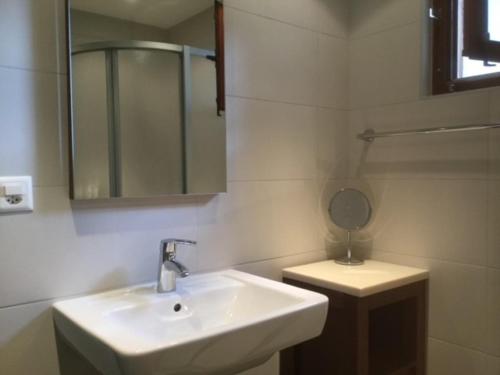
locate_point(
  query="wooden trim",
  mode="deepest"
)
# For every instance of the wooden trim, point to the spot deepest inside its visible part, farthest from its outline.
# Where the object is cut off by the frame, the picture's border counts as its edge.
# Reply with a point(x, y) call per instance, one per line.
point(443, 66)
point(475, 28)
point(70, 99)
point(219, 57)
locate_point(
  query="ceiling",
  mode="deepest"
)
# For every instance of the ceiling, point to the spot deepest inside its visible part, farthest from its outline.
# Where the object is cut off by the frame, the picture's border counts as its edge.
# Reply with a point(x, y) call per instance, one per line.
point(159, 13)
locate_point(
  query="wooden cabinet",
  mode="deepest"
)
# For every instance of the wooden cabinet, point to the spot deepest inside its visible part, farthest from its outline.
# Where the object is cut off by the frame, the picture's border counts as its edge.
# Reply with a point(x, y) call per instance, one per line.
point(380, 334)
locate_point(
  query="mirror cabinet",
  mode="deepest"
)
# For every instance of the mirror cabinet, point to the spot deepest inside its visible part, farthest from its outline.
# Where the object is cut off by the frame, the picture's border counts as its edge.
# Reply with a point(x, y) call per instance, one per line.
point(146, 98)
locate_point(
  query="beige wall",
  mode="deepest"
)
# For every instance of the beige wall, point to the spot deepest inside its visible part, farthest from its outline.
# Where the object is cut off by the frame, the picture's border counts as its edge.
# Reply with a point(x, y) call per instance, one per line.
point(287, 79)
point(91, 27)
point(194, 31)
point(436, 197)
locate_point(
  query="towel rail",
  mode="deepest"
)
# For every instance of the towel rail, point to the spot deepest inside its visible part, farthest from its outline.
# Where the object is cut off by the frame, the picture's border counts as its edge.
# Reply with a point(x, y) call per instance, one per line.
point(369, 135)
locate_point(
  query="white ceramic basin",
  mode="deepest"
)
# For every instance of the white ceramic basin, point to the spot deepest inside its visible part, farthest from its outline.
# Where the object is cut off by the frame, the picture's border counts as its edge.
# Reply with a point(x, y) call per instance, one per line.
point(226, 322)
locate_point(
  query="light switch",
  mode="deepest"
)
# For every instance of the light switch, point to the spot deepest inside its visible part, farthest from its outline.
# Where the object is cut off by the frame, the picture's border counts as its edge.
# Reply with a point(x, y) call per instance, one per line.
point(16, 194)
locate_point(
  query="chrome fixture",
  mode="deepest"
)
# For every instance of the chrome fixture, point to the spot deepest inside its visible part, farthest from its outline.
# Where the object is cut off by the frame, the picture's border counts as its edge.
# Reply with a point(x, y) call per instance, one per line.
point(369, 135)
point(169, 268)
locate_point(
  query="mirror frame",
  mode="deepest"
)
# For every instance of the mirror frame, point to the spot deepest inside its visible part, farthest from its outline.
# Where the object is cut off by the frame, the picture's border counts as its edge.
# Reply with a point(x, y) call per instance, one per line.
point(220, 78)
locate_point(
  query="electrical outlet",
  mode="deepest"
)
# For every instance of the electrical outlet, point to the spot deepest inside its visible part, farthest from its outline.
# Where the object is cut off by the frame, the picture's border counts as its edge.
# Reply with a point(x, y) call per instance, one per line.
point(16, 194)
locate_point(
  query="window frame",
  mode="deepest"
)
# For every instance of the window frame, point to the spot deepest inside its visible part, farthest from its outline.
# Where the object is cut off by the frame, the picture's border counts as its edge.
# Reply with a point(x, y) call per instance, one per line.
point(477, 45)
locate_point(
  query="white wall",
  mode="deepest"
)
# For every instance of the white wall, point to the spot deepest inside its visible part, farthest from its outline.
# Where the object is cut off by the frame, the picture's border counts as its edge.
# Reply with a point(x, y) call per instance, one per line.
point(436, 197)
point(287, 81)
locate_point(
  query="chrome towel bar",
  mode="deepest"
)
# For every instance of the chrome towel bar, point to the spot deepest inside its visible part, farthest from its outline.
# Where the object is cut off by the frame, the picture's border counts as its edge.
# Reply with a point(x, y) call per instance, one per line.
point(369, 135)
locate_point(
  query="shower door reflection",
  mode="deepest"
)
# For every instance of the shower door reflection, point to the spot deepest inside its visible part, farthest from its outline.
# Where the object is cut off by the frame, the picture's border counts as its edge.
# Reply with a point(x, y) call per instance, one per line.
point(145, 114)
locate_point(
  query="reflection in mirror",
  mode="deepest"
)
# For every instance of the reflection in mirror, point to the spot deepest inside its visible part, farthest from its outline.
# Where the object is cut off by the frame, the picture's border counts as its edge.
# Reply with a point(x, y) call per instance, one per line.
point(146, 98)
point(351, 210)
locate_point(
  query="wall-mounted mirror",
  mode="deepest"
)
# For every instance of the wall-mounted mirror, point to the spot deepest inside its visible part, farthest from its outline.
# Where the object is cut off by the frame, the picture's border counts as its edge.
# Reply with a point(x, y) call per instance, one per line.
point(147, 98)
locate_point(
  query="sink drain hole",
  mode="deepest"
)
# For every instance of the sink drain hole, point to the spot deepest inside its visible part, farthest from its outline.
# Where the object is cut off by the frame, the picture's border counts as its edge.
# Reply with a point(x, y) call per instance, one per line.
point(177, 307)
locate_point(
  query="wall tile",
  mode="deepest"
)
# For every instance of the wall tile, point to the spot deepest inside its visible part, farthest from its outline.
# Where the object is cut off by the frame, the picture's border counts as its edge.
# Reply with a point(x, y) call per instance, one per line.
point(333, 72)
point(32, 104)
point(445, 358)
point(457, 298)
point(443, 156)
point(458, 304)
point(494, 154)
point(142, 224)
point(61, 250)
point(257, 221)
point(27, 342)
point(29, 35)
point(376, 77)
point(378, 15)
point(332, 16)
point(272, 268)
point(65, 248)
point(327, 16)
point(494, 135)
point(493, 320)
point(332, 150)
point(270, 60)
point(268, 140)
point(436, 219)
point(493, 258)
point(493, 365)
point(295, 12)
point(494, 101)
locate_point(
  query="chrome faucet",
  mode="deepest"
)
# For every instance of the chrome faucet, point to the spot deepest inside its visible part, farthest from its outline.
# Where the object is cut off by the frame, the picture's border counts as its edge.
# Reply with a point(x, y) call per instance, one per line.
point(169, 268)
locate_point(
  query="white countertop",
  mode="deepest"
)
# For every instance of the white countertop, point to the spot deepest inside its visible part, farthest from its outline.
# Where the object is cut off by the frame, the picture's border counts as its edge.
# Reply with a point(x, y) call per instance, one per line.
point(359, 281)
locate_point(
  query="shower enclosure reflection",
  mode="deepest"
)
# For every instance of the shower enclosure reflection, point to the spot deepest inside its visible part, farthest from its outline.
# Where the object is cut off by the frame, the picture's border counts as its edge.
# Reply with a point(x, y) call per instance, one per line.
point(145, 116)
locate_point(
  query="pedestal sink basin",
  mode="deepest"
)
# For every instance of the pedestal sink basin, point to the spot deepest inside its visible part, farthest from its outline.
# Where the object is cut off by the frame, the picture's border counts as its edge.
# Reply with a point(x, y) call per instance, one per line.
point(215, 323)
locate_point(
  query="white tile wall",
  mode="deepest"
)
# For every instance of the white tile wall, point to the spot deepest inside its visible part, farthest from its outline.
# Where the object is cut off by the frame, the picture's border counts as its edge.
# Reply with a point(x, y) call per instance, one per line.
point(332, 150)
point(270, 60)
point(436, 198)
point(370, 17)
point(493, 365)
point(269, 140)
point(31, 35)
point(383, 67)
point(31, 125)
point(331, 72)
point(408, 210)
point(493, 312)
point(447, 358)
point(287, 84)
point(258, 220)
point(328, 17)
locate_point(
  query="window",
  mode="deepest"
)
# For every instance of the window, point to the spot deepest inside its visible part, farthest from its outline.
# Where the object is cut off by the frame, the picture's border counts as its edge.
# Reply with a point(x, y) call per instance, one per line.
point(466, 44)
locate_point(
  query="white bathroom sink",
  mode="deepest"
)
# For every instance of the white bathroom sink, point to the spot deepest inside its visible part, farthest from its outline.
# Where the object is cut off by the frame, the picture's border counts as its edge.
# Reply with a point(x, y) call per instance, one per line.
point(214, 323)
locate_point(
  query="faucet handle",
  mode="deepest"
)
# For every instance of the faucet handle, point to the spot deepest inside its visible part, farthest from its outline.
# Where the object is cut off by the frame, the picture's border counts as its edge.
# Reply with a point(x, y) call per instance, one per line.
point(168, 246)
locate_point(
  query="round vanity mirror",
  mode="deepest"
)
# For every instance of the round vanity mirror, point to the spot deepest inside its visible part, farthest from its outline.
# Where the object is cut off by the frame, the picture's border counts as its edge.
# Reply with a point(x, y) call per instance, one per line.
point(350, 209)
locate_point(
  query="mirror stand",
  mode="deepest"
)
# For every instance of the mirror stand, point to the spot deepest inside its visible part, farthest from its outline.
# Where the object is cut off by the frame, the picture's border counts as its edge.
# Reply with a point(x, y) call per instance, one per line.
point(348, 260)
